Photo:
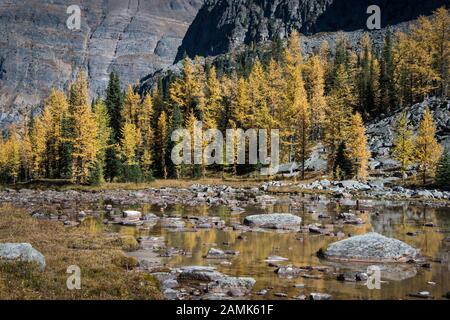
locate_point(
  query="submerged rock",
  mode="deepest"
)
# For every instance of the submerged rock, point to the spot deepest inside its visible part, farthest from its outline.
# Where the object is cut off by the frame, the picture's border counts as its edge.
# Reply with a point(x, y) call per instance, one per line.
point(21, 252)
point(220, 254)
point(421, 295)
point(173, 223)
point(371, 247)
point(276, 259)
point(350, 218)
point(282, 221)
point(352, 276)
point(288, 271)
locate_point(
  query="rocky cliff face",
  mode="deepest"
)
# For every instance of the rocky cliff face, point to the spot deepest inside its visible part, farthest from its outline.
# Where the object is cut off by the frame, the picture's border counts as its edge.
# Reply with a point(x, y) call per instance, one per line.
point(38, 51)
point(230, 23)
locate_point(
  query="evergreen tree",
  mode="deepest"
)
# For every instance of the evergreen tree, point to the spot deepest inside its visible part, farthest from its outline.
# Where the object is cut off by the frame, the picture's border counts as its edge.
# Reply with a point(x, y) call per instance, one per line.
point(112, 161)
point(114, 104)
point(368, 79)
point(177, 123)
point(388, 98)
point(342, 169)
point(162, 144)
point(26, 153)
point(443, 171)
point(341, 59)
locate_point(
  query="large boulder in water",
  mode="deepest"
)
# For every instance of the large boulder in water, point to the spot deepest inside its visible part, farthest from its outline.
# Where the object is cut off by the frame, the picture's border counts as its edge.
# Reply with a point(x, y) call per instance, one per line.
point(371, 247)
point(21, 252)
point(282, 221)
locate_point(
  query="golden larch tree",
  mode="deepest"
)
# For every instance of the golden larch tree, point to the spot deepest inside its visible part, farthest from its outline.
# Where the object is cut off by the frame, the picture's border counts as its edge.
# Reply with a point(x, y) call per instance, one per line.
point(147, 140)
point(428, 150)
point(131, 139)
point(340, 103)
point(403, 150)
point(356, 147)
point(131, 106)
point(84, 131)
point(316, 93)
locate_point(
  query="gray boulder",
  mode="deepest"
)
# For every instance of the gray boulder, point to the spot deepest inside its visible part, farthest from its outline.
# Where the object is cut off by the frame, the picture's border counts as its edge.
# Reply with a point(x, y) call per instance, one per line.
point(281, 221)
point(320, 296)
point(236, 287)
point(199, 273)
point(21, 252)
point(371, 247)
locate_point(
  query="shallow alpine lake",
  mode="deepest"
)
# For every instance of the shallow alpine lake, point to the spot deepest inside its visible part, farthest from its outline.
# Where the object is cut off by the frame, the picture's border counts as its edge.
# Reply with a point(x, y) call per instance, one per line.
point(401, 220)
point(423, 226)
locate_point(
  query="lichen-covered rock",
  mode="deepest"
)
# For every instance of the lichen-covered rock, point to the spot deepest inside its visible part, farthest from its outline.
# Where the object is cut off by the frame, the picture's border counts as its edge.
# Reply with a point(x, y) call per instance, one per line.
point(283, 221)
point(371, 247)
point(199, 273)
point(232, 286)
point(21, 252)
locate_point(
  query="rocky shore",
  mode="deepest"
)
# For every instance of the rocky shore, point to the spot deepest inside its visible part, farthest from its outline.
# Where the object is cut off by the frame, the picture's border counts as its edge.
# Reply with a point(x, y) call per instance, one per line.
point(235, 198)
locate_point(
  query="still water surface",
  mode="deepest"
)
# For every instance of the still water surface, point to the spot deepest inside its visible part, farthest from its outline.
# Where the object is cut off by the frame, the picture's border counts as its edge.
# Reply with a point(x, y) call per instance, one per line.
point(392, 219)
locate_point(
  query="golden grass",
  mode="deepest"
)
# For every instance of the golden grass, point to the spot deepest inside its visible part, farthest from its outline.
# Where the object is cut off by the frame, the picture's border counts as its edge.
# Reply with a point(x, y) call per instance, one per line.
point(170, 183)
point(105, 272)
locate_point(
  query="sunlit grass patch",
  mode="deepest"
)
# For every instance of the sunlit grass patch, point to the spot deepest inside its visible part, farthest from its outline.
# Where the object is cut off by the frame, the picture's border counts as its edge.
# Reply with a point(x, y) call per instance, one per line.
point(105, 272)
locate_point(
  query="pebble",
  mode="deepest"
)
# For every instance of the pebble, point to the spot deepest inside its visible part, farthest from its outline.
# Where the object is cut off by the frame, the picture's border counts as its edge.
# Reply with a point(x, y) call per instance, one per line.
point(280, 294)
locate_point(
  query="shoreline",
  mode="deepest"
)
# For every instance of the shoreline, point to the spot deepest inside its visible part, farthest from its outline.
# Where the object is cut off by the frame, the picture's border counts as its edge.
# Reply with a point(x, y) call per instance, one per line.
point(214, 191)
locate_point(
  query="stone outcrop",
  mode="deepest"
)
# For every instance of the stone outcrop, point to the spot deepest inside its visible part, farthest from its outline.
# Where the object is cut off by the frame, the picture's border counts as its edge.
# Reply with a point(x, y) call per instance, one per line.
point(38, 51)
point(371, 247)
point(21, 252)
